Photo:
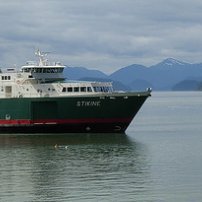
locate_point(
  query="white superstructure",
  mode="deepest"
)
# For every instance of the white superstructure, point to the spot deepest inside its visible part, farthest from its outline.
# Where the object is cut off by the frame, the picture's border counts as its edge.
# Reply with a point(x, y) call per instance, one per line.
point(45, 79)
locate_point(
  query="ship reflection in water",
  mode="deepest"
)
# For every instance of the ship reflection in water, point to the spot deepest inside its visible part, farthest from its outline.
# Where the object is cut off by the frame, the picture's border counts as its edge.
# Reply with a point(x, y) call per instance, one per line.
point(89, 167)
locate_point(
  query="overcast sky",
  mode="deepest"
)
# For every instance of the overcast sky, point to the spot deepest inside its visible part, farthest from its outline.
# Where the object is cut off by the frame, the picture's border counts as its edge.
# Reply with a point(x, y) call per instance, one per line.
point(101, 34)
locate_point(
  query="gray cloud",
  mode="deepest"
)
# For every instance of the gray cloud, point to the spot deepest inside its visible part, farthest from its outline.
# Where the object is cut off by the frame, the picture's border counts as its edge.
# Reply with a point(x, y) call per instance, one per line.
point(104, 34)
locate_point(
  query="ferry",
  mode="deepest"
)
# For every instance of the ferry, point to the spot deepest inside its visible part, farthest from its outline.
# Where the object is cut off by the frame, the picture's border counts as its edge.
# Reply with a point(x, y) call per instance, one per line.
point(37, 98)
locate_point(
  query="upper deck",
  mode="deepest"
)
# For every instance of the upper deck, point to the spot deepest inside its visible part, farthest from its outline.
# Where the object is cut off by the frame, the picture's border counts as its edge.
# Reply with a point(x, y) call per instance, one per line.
point(43, 70)
point(45, 79)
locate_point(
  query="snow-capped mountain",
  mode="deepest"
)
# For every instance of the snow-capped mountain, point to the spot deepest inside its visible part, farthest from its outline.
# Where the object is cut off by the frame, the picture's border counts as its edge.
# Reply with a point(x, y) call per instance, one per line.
point(171, 62)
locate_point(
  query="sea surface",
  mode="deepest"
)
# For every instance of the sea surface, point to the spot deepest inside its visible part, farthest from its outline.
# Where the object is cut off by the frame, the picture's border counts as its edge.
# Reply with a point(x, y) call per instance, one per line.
point(158, 159)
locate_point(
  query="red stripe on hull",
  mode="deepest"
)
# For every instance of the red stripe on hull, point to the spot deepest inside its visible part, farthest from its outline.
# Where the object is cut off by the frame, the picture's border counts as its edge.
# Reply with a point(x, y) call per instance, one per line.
point(15, 122)
point(109, 125)
point(65, 126)
point(65, 121)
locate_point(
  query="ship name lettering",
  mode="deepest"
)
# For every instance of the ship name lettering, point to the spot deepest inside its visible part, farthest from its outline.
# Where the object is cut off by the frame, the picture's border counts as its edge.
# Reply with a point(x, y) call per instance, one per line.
point(88, 103)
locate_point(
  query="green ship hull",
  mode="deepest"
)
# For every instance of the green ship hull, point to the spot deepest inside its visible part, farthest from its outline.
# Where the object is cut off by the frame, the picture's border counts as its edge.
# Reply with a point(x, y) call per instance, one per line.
point(110, 113)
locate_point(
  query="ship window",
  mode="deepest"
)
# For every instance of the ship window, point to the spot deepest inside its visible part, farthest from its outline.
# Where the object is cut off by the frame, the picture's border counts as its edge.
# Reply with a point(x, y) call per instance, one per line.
point(97, 89)
point(83, 89)
point(89, 89)
point(106, 89)
point(76, 89)
point(64, 90)
point(26, 70)
point(69, 89)
point(38, 70)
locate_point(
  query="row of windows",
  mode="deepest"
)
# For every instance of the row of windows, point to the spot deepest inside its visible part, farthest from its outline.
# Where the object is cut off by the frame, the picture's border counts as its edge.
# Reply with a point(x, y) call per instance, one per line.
point(5, 77)
point(86, 89)
point(76, 89)
point(43, 70)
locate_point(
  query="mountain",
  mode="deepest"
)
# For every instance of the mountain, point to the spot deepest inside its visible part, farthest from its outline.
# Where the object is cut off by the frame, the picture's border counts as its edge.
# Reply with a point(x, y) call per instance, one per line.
point(130, 73)
point(75, 73)
point(140, 84)
point(162, 76)
point(186, 85)
point(171, 62)
point(171, 71)
point(170, 74)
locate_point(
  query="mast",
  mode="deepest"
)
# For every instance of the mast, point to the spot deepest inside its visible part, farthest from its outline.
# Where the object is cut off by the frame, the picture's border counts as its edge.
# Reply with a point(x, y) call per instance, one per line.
point(42, 60)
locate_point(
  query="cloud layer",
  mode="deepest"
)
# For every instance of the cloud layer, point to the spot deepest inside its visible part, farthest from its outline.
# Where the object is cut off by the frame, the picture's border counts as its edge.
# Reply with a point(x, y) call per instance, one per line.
point(102, 34)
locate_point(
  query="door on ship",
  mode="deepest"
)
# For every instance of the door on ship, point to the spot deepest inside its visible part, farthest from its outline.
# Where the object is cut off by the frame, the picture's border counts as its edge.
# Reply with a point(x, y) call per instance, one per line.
point(8, 91)
point(44, 110)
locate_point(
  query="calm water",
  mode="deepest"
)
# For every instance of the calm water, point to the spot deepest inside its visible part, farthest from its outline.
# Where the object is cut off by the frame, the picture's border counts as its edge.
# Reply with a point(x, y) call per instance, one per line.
point(159, 159)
